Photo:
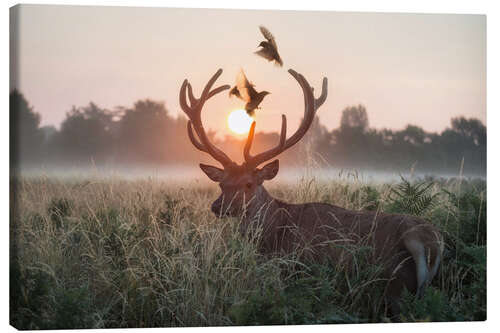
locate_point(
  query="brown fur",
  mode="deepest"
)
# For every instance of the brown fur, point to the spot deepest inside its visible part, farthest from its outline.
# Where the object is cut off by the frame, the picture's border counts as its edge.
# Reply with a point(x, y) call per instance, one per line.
point(322, 231)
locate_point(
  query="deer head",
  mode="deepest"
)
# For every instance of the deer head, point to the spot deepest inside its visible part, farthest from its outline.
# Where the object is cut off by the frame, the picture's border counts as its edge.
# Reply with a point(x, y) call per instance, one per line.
point(241, 185)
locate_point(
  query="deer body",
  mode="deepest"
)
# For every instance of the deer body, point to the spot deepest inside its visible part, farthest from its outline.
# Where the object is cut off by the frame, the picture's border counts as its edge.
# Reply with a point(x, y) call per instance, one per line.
point(408, 248)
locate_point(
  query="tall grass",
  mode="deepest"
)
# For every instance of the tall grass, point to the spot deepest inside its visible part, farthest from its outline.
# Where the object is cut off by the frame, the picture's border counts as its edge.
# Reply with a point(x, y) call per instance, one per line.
point(101, 253)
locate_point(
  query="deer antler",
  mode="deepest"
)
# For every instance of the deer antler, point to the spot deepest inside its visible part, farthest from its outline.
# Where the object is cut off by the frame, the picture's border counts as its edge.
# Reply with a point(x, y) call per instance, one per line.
point(193, 111)
point(311, 105)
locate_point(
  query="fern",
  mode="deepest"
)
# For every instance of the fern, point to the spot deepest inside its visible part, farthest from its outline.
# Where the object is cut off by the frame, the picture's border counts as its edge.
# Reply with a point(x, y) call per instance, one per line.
point(413, 199)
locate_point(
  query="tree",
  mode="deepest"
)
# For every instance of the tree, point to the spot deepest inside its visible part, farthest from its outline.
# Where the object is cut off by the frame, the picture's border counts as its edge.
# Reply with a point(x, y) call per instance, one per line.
point(472, 129)
point(465, 140)
point(414, 135)
point(354, 118)
point(25, 135)
point(85, 135)
point(145, 133)
point(351, 139)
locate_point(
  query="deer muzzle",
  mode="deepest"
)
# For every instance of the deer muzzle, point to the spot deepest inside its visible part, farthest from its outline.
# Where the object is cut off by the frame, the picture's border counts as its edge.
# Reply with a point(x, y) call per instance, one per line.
point(216, 206)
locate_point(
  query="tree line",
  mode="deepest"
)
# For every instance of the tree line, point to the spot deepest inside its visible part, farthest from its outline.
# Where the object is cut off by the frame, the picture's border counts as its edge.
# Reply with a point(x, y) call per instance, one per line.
point(147, 134)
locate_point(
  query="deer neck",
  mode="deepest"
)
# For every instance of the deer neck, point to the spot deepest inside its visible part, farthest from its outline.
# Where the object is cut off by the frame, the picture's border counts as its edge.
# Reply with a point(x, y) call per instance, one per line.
point(262, 207)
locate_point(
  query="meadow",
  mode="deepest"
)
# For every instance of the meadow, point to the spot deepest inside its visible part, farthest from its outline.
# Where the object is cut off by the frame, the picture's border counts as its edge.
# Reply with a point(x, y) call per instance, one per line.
point(107, 252)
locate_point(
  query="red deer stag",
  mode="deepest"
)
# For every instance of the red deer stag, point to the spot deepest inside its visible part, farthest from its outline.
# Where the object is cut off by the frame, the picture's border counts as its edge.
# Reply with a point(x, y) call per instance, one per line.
point(408, 247)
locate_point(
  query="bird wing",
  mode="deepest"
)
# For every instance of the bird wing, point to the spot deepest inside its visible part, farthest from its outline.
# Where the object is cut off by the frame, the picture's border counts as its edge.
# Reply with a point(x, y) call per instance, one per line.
point(265, 54)
point(269, 36)
point(279, 61)
point(243, 84)
point(252, 93)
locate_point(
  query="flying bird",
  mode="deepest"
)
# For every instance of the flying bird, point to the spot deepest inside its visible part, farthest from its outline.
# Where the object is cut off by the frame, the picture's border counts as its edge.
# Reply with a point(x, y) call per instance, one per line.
point(269, 48)
point(246, 92)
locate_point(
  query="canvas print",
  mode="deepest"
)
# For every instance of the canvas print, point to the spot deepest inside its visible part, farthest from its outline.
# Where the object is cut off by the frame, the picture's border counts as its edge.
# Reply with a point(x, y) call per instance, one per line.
point(179, 167)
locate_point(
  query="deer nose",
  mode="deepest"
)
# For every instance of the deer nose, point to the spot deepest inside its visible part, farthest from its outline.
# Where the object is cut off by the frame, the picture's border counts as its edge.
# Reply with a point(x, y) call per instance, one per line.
point(216, 207)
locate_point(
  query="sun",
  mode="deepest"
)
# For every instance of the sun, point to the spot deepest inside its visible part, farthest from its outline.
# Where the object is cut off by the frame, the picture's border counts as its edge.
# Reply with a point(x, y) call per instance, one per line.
point(239, 121)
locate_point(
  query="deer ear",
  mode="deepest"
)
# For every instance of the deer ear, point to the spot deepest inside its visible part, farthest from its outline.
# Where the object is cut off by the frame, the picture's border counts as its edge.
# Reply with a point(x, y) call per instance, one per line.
point(212, 172)
point(270, 170)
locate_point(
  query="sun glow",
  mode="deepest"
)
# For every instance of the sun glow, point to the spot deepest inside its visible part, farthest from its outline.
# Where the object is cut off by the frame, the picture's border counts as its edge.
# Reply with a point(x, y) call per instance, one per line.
point(239, 121)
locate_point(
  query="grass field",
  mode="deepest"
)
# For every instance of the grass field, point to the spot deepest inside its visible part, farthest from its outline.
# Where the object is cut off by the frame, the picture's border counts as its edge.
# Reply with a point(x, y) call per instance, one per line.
point(107, 252)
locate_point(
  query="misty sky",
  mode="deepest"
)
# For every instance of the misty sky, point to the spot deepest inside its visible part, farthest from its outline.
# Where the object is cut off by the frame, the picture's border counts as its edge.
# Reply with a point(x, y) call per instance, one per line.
point(420, 69)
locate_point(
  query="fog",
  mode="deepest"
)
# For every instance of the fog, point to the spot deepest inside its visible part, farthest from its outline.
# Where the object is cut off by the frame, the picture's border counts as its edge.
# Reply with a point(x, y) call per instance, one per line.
point(146, 141)
point(191, 174)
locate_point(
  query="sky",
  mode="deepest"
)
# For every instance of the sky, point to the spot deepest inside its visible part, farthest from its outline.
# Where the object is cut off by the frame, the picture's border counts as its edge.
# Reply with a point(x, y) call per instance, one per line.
point(420, 69)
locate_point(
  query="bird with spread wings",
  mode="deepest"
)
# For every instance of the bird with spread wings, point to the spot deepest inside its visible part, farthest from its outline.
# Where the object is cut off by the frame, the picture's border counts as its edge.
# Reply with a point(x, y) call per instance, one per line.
point(246, 92)
point(269, 49)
